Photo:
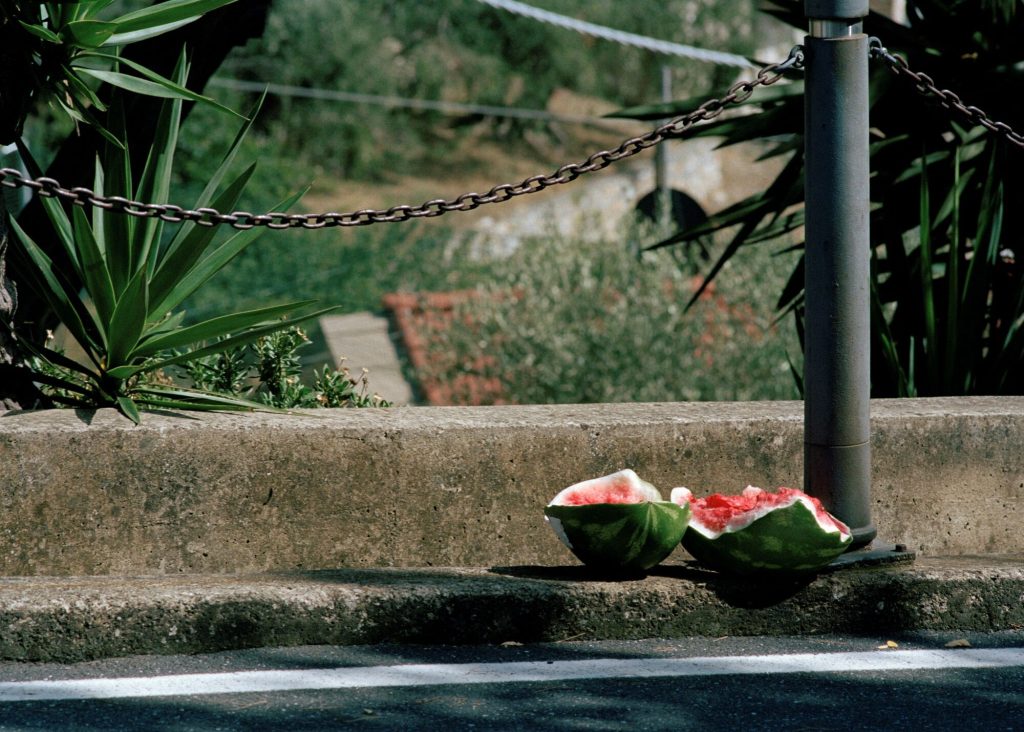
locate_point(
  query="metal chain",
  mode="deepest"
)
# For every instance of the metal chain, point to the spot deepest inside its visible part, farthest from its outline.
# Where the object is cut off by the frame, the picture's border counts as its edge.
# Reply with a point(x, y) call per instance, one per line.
point(736, 94)
point(926, 86)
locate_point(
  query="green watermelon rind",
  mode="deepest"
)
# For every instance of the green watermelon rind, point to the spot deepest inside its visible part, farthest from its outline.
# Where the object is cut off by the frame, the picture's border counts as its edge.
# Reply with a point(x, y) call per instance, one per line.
point(788, 539)
point(620, 536)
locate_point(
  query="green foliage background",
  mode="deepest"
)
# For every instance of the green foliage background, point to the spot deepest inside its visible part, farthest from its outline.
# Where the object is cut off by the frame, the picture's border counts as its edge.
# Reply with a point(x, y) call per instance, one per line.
point(947, 303)
point(463, 51)
point(456, 50)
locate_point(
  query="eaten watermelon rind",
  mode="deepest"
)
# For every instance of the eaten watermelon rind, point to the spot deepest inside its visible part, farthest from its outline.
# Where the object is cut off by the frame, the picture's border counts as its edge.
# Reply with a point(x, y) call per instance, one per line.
point(617, 522)
point(792, 538)
point(620, 536)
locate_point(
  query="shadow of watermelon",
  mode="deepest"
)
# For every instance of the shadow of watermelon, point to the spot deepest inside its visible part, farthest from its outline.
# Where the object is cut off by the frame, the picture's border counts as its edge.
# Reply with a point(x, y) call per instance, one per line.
point(753, 592)
point(573, 573)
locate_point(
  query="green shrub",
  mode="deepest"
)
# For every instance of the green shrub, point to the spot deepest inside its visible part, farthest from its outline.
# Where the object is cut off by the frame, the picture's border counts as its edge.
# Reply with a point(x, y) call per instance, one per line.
point(121, 298)
point(589, 321)
point(460, 51)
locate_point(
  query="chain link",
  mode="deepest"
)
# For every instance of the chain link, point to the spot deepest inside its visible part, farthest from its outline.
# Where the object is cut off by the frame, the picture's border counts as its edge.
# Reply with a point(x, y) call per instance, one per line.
point(709, 110)
point(712, 108)
point(927, 87)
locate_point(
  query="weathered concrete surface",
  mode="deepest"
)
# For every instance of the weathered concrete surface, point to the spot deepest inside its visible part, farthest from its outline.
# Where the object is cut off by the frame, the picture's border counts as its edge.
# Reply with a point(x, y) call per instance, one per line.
point(90, 493)
point(72, 619)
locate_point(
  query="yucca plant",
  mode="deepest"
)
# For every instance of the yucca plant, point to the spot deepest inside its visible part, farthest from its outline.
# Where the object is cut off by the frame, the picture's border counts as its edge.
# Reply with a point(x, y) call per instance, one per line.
point(949, 318)
point(121, 299)
point(55, 49)
point(972, 48)
point(61, 53)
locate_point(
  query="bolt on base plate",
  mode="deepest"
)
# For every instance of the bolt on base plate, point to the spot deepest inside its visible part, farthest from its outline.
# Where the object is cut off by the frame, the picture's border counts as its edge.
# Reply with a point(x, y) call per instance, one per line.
point(875, 554)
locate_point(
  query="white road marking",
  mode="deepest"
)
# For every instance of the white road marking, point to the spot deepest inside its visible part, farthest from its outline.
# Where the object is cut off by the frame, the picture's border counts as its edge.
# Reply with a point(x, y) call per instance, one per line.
point(497, 673)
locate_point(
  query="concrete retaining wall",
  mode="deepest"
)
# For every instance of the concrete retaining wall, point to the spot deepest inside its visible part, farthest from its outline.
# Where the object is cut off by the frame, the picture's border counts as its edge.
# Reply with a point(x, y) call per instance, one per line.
point(90, 493)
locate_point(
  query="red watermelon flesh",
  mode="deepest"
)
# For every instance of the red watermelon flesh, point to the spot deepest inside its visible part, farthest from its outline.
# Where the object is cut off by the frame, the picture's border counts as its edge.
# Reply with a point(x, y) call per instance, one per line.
point(624, 486)
point(719, 514)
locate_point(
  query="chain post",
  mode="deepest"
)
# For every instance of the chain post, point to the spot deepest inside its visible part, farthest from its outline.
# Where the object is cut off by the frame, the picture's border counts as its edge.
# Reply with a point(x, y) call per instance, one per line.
point(837, 458)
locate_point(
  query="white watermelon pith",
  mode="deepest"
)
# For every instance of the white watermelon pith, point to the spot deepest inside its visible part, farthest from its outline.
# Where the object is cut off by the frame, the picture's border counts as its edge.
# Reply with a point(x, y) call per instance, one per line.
point(758, 531)
point(617, 522)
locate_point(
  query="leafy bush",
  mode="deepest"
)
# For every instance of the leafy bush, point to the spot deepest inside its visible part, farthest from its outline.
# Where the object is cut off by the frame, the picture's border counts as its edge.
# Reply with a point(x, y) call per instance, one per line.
point(588, 321)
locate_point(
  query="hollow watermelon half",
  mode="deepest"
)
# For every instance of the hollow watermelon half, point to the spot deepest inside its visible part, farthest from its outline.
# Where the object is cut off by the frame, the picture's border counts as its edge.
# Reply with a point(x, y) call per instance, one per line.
point(758, 531)
point(617, 523)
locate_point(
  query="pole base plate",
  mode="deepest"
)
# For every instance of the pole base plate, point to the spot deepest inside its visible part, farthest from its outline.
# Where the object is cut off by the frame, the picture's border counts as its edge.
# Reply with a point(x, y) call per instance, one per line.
point(875, 554)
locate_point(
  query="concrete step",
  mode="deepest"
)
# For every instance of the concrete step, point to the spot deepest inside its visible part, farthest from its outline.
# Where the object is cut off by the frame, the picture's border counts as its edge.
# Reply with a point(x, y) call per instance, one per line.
point(74, 619)
point(88, 493)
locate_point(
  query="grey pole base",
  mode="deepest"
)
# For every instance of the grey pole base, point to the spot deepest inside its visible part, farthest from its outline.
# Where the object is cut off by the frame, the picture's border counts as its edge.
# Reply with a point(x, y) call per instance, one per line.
point(875, 554)
point(829, 471)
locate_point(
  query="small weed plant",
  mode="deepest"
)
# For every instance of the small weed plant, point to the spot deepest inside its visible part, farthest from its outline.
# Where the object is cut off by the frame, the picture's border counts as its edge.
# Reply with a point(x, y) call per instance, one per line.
point(269, 371)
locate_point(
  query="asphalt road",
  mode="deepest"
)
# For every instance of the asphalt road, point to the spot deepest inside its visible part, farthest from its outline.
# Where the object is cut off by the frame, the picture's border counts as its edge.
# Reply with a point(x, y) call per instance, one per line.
point(727, 683)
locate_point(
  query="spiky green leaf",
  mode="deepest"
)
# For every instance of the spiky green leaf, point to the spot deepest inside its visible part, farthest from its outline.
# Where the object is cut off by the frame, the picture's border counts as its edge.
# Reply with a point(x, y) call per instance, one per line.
point(213, 263)
point(236, 340)
point(170, 11)
point(129, 409)
point(87, 33)
point(95, 275)
point(128, 322)
point(218, 327)
point(60, 294)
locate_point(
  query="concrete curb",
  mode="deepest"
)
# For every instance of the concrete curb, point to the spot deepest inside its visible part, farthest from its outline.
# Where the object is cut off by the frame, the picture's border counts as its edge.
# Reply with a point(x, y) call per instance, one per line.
point(90, 493)
point(75, 619)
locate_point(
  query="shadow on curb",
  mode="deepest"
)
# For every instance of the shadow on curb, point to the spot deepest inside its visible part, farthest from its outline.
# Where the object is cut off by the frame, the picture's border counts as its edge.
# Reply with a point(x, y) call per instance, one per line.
point(739, 592)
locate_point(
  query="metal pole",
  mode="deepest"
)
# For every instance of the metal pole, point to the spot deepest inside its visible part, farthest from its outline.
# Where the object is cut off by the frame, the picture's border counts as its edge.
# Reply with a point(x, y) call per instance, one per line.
point(837, 456)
